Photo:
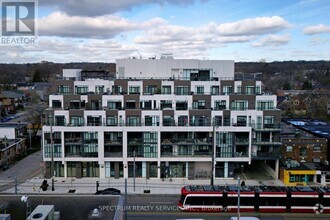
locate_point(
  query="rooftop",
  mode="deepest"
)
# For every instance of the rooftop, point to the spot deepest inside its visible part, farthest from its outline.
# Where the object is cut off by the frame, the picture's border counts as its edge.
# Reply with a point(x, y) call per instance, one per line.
point(315, 127)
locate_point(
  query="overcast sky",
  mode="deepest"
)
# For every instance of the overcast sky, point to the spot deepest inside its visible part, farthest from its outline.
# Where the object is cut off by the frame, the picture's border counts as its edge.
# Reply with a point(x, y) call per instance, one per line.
point(240, 30)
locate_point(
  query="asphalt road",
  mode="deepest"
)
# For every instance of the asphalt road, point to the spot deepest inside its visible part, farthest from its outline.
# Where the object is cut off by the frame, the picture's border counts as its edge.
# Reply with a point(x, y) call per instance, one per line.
point(164, 207)
point(23, 170)
point(70, 207)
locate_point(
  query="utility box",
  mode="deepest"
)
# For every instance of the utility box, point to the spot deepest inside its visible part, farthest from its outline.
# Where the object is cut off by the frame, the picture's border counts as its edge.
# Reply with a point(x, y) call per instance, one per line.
point(44, 212)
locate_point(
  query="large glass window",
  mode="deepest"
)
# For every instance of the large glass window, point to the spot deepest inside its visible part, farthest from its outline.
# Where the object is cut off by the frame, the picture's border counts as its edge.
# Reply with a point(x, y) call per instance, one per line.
point(224, 143)
point(94, 120)
point(199, 104)
point(81, 89)
point(250, 90)
point(99, 89)
point(150, 90)
point(56, 104)
point(112, 121)
point(269, 121)
point(181, 105)
point(134, 90)
point(226, 90)
point(220, 105)
point(181, 90)
point(215, 90)
point(241, 121)
point(116, 89)
point(165, 104)
point(166, 90)
point(76, 121)
point(265, 105)
point(60, 120)
point(239, 105)
point(200, 90)
point(133, 121)
point(114, 105)
point(64, 89)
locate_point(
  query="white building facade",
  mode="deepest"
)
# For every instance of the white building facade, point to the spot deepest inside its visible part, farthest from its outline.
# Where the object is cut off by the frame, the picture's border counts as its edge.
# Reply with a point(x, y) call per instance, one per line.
point(163, 114)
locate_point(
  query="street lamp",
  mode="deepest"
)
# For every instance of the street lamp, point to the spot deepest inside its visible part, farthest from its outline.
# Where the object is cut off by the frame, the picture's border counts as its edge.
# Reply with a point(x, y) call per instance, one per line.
point(52, 172)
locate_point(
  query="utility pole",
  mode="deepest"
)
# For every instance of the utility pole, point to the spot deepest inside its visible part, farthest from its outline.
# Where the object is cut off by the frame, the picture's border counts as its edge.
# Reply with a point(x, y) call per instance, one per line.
point(52, 152)
point(238, 197)
point(213, 152)
point(134, 172)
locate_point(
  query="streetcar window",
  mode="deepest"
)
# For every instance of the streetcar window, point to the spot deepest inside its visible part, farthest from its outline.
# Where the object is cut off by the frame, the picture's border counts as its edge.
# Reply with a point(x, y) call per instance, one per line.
point(272, 201)
point(204, 200)
point(303, 201)
point(244, 201)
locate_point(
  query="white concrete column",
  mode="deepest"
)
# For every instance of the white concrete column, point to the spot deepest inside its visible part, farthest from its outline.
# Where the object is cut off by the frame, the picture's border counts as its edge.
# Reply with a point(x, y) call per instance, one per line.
point(65, 170)
point(158, 169)
point(144, 169)
point(226, 170)
point(187, 168)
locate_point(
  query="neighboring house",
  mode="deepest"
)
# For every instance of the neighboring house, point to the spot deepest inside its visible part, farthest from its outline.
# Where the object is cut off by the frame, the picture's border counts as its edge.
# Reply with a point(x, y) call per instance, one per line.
point(307, 143)
point(43, 90)
point(172, 117)
point(6, 106)
point(26, 86)
point(17, 97)
point(12, 143)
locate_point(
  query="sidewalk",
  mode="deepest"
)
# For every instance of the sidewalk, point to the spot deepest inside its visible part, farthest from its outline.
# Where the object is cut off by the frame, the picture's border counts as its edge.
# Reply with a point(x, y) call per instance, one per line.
point(156, 186)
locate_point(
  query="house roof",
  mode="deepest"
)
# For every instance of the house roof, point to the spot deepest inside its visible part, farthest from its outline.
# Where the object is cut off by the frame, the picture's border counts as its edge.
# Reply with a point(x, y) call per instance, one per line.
point(12, 94)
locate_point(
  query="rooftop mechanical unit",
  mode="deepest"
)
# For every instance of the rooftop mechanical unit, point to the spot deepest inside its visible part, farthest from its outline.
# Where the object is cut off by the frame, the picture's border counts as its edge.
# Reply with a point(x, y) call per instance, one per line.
point(44, 212)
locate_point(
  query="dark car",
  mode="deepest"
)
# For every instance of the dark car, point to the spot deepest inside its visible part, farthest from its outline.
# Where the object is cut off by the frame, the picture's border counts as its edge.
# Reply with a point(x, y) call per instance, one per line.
point(108, 191)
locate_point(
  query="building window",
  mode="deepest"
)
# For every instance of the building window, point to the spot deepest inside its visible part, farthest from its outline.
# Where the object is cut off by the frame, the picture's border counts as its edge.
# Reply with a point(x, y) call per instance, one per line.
point(289, 148)
point(133, 121)
point(81, 89)
point(166, 90)
point(130, 104)
point(265, 105)
point(56, 104)
point(303, 151)
point(215, 90)
point(76, 121)
point(258, 90)
point(317, 148)
point(239, 105)
point(114, 105)
point(145, 104)
point(64, 89)
point(199, 104)
point(112, 121)
point(99, 89)
point(200, 90)
point(134, 90)
point(116, 89)
point(150, 90)
point(220, 105)
point(226, 90)
point(269, 121)
point(238, 89)
point(250, 90)
point(181, 90)
point(181, 105)
point(165, 104)
point(59, 120)
point(241, 121)
point(94, 120)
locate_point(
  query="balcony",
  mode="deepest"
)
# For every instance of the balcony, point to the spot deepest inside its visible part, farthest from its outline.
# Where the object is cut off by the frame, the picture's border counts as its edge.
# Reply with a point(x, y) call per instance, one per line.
point(200, 153)
point(113, 154)
point(189, 141)
point(266, 127)
point(266, 155)
point(232, 154)
point(267, 142)
point(113, 142)
point(81, 154)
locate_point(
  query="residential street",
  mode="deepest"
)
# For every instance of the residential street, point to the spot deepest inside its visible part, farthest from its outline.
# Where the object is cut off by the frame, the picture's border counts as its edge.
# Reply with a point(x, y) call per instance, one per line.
point(23, 170)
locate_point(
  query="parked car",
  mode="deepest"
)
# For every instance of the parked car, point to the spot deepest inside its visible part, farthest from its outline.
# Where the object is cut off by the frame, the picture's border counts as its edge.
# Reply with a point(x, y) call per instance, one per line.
point(108, 191)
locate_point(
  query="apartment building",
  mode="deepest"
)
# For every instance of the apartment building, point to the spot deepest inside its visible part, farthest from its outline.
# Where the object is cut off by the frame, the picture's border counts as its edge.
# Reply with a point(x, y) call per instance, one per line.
point(165, 118)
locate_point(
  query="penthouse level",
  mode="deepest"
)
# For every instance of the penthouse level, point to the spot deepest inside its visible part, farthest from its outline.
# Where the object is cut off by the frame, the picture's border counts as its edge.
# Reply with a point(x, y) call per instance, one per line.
point(171, 122)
